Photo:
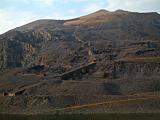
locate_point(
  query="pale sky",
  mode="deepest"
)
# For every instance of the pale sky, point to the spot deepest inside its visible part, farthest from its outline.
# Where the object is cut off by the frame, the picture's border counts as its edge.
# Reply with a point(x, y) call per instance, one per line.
point(14, 13)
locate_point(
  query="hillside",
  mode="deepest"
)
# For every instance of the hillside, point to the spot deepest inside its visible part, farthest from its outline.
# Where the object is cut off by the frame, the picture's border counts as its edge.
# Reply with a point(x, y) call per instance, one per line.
point(104, 53)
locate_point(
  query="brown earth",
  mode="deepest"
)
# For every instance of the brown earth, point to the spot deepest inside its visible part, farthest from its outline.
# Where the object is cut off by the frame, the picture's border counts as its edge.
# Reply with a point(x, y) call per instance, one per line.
point(123, 46)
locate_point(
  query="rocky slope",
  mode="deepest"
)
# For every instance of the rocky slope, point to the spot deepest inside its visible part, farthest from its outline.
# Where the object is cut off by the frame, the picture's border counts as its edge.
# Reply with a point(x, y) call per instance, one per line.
point(54, 42)
point(124, 45)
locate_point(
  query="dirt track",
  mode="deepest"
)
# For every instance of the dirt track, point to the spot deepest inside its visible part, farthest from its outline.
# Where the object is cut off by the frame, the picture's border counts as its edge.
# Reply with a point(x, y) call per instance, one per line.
point(110, 103)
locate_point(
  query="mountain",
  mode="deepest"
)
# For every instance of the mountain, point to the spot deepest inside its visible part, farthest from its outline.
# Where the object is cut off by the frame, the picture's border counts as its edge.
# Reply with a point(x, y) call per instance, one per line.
point(118, 28)
point(122, 46)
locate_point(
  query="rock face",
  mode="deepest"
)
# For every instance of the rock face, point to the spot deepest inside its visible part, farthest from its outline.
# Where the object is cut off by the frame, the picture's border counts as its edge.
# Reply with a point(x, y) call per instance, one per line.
point(136, 70)
point(20, 49)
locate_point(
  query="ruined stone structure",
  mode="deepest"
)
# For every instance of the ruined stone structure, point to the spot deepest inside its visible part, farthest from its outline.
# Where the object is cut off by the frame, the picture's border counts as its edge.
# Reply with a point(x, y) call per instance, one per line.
point(78, 72)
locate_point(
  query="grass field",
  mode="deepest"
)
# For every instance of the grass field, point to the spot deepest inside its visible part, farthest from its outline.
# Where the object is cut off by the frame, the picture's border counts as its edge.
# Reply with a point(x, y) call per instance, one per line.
point(132, 116)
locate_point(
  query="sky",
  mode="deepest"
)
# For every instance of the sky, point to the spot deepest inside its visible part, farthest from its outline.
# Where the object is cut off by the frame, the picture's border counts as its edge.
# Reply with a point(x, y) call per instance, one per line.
point(14, 13)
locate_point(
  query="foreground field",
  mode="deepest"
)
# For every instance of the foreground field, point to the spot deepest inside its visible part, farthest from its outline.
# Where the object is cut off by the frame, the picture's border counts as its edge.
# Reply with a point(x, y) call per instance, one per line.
point(62, 105)
point(140, 116)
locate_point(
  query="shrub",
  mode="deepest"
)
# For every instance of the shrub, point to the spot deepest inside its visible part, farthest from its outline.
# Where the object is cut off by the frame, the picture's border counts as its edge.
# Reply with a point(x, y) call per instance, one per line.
point(155, 86)
point(112, 88)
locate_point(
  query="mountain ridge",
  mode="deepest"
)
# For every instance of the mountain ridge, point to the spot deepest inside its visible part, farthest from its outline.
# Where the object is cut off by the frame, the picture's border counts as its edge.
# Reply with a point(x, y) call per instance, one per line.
point(100, 12)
